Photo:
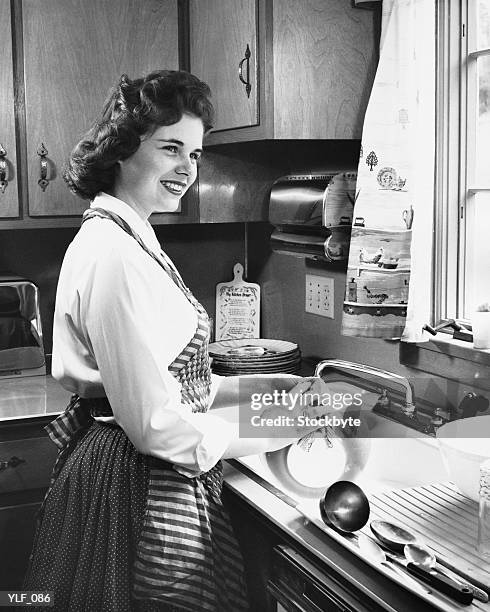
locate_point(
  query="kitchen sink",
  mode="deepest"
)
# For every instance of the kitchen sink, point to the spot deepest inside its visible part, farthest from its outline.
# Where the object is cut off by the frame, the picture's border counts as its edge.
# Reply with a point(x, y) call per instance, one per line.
point(384, 455)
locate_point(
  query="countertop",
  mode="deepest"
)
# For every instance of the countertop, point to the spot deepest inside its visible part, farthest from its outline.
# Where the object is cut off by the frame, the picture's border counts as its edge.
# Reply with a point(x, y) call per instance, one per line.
point(380, 589)
point(31, 396)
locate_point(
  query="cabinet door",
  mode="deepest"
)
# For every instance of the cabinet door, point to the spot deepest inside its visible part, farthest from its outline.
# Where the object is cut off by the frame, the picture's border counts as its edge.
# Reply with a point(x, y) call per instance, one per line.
point(9, 200)
point(17, 528)
point(74, 52)
point(220, 32)
point(324, 66)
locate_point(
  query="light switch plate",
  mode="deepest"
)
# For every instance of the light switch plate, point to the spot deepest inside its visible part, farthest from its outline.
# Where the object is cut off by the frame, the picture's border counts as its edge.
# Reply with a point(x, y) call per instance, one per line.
point(319, 295)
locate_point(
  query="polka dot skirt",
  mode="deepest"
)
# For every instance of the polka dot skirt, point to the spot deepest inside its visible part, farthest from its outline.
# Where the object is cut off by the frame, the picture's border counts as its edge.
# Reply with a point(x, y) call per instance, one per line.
point(88, 532)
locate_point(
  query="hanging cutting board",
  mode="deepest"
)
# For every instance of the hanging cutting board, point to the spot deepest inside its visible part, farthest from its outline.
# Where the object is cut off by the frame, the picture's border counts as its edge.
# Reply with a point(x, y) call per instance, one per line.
point(237, 308)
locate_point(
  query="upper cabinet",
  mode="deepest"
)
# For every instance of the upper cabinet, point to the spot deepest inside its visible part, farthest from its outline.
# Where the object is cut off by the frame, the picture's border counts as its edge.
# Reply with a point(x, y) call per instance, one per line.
point(69, 54)
point(74, 51)
point(9, 197)
point(308, 67)
point(278, 69)
point(223, 52)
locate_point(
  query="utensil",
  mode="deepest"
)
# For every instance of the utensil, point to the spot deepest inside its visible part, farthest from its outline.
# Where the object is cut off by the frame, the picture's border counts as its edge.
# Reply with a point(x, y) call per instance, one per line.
point(421, 555)
point(396, 537)
point(391, 535)
point(373, 551)
point(345, 507)
point(442, 583)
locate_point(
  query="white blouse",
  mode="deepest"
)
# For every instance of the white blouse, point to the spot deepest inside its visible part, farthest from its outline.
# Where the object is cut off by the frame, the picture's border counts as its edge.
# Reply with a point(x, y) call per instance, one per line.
point(119, 322)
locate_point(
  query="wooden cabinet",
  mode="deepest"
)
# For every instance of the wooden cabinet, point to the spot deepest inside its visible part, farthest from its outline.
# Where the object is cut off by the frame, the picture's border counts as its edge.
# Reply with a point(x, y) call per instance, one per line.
point(223, 39)
point(68, 55)
point(9, 197)
point(311, 73)
point(74, 51)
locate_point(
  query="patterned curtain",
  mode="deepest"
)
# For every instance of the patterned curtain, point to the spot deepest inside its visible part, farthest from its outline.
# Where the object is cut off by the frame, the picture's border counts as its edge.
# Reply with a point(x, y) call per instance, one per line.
point(388, 285)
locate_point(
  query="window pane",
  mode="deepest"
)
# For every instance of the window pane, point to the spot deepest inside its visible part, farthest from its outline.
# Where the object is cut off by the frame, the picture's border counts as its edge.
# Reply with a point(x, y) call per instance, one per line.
point(483, 123)
point(478, 252)
point(483, 24)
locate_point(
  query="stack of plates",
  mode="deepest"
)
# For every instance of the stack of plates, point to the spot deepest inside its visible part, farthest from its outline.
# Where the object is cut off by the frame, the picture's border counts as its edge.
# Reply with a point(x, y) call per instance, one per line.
point(254, 356)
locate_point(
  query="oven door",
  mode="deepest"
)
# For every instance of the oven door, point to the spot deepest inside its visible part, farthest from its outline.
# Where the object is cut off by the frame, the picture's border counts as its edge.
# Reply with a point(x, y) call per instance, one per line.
point(297, 585)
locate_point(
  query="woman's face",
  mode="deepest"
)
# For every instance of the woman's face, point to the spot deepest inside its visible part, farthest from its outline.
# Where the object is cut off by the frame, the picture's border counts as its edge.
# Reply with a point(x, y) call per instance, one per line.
point(158, 174)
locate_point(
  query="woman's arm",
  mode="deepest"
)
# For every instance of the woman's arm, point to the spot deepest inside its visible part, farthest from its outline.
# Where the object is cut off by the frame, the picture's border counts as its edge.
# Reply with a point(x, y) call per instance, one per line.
point(233, 404)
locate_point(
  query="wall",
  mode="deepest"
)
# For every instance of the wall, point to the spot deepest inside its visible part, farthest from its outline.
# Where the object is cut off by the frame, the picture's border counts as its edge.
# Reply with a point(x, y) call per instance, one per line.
point(204, 255)
point(282, 279)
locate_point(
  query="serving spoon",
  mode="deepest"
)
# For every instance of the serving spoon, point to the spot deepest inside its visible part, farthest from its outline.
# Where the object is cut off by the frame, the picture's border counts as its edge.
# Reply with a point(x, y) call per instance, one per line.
point(373, 551)
point(421, 555)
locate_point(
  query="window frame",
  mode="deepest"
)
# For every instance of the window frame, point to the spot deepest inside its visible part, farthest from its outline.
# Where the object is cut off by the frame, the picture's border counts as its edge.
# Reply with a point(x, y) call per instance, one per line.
point(456, 96)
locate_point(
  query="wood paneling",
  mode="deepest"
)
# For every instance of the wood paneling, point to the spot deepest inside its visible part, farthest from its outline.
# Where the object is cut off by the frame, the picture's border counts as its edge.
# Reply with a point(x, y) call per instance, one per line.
point(9, 202)
point(324, 64)
point(74, 52)
point(220, 31)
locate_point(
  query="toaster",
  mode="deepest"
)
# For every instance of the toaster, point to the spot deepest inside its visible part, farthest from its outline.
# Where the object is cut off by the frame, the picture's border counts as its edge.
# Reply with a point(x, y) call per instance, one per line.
point(21, 338)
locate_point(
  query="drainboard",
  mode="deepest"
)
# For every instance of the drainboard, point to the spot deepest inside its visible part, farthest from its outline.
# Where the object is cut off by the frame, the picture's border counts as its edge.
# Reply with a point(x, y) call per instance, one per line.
point(446, 520)
point(439, 515)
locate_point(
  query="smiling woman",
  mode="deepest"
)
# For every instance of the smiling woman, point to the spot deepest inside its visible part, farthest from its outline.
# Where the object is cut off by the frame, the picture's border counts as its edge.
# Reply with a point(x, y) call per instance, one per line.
point(133, 519)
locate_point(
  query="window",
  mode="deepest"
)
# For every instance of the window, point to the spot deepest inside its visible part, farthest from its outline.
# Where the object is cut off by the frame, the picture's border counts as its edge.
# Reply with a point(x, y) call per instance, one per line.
point(462, 237)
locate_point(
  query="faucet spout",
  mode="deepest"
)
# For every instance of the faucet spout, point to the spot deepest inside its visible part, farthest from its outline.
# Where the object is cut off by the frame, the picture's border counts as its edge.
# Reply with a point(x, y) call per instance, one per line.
point(350, 366)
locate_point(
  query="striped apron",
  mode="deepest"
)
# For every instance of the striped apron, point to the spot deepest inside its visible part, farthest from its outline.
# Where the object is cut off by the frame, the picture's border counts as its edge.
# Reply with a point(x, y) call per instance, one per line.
point(186, 555)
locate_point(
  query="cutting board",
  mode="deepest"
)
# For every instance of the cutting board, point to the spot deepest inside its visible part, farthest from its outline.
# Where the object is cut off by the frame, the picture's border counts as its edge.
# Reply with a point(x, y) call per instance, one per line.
point(237, 308)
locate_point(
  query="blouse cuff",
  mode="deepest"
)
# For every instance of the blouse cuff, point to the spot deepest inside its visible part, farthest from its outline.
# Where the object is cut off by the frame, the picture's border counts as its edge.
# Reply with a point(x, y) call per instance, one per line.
point(216, 437)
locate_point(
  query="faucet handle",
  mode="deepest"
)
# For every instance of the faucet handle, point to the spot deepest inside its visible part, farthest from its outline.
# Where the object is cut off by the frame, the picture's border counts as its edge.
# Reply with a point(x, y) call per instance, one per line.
point(471, 404)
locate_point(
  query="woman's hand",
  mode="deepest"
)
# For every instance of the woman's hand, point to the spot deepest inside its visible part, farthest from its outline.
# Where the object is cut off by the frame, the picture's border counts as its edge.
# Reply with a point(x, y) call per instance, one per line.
point(305, 402)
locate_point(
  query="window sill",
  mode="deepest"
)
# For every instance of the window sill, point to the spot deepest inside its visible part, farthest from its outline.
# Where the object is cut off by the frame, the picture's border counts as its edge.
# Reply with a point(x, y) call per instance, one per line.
point(460, 349)
point(449, 358)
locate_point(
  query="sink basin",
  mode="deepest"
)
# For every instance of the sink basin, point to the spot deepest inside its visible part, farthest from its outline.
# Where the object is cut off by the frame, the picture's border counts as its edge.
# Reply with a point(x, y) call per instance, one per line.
point(385, 455)
point(465, 445)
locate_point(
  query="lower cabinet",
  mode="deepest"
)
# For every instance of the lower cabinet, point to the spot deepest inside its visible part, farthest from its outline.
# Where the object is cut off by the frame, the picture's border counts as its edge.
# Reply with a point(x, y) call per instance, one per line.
point(281, 575)
point(27, 457)
point(17, 527)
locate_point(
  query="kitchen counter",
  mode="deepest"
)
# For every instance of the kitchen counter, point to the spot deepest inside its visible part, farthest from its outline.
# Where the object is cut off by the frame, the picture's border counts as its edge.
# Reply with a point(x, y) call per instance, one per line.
point(31, 396)
point(385, 593)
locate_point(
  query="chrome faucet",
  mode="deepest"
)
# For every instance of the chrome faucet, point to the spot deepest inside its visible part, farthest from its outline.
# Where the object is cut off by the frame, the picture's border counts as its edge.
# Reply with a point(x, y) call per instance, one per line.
point(408, 408)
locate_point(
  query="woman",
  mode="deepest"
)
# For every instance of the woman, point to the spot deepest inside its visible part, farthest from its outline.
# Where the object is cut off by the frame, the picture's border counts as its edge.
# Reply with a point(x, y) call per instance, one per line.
point(133, 519)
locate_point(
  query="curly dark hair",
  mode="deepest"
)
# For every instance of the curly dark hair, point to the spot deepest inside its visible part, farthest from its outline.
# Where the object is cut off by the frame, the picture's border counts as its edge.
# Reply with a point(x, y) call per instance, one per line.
point(134, 108)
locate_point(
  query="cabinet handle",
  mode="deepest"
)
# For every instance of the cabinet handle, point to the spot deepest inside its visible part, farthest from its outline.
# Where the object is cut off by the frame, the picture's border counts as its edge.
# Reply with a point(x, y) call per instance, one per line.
point(12, 462)
point(3, 169)
point(43, 182)
point(246, 82)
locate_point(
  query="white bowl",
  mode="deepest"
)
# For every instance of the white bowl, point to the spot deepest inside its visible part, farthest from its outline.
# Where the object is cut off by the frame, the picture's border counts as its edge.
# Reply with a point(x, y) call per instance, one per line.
point(465, 445)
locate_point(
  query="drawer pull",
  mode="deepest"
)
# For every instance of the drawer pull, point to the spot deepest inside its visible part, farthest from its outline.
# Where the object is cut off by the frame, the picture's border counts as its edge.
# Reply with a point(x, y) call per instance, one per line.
point(12, 462)
point(3, 169)
point(43, 181)
point(246, 82)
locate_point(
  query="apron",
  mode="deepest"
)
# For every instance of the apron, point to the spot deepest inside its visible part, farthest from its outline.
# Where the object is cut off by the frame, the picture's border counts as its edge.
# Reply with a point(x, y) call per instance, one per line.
point(187, 555)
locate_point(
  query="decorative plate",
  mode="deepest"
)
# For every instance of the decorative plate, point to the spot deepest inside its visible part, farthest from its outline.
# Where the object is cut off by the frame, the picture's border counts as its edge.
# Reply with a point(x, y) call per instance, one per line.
point(387, 178)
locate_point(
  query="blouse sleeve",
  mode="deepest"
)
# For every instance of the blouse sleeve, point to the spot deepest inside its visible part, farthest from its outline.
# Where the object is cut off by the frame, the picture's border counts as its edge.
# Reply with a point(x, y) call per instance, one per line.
point(127, 323)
